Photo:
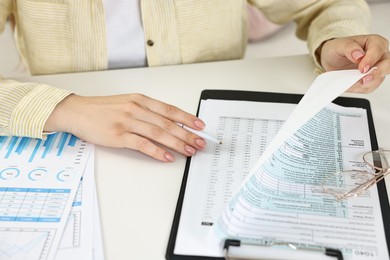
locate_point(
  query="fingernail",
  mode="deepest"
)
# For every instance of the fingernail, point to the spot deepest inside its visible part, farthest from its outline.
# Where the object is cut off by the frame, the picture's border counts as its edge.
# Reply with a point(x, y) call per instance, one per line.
point(189, 149)
point(367, 79)
point(357, 55)
point(169, 157)
point(199, 124)
point(200, 142)
point(366, 68)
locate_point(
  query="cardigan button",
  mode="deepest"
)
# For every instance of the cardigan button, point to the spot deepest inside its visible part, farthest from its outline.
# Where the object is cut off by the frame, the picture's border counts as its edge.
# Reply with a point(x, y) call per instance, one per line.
point(150, 43)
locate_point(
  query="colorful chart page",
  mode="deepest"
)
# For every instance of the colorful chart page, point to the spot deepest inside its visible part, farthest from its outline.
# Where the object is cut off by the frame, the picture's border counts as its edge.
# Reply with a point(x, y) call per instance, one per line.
point(38, 183)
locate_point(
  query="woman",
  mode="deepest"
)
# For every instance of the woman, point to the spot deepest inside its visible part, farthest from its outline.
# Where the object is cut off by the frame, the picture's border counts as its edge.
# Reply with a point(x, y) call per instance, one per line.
point(59, 36)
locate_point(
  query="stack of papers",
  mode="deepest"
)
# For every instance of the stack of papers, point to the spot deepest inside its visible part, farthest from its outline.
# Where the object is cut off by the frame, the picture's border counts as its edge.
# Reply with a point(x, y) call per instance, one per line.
point(48, 203)
point(263, 185)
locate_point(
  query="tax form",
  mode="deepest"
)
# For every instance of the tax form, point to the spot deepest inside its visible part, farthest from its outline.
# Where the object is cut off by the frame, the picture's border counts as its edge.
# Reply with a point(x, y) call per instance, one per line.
point(263, 184)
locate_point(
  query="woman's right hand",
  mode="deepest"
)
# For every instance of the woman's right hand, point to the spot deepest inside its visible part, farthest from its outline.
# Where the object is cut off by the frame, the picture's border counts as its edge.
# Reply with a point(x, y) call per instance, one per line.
point(132, 121)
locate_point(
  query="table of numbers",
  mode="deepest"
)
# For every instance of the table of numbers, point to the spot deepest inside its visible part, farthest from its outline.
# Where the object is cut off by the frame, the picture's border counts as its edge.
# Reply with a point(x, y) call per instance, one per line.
point(244, 140)
point(32, 204)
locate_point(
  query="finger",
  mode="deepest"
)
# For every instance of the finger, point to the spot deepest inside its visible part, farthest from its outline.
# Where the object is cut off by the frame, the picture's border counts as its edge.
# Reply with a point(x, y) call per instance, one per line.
point(169, 126)
point(175, 130)
point(159, 135)
point(171, 112)
point(349, 48)
point(366, 87)
point(147, 147)
point(373, 80)
point(184, 135)
point(383, 65)
point(341, 53)
point(383, 68)
point(354, 52)
point(376, 47)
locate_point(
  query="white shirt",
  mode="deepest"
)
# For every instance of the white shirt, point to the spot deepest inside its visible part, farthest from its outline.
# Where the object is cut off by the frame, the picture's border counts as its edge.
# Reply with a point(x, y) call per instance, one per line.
point(125, 35)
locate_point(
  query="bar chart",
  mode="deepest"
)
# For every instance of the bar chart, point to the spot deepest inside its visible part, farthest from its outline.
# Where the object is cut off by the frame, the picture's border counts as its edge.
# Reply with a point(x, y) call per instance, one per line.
point(37, 149)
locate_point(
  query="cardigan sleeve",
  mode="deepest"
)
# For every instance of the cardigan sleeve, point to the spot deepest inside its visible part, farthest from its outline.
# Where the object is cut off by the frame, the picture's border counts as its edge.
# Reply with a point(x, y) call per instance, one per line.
point(319, 20)
point(25, 107)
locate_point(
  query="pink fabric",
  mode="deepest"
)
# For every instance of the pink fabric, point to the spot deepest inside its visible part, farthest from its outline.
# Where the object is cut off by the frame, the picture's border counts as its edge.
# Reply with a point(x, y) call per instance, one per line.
point(259, 27)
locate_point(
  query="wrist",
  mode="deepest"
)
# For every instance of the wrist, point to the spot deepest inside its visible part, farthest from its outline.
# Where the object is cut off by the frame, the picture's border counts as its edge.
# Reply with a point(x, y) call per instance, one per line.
point(62, 116)
point(318, 52)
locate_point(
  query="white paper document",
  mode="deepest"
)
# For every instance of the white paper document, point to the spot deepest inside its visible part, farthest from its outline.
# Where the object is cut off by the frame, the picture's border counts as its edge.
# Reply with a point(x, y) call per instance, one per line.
point(41, 197)
point(77, 238)
point(263, 183)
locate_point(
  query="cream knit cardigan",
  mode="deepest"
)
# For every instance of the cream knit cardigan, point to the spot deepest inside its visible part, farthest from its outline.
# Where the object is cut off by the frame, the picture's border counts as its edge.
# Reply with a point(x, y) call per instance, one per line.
point(59, 36)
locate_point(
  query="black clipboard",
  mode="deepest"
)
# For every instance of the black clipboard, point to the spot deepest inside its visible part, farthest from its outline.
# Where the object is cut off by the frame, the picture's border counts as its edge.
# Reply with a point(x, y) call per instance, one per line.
point(272, 97)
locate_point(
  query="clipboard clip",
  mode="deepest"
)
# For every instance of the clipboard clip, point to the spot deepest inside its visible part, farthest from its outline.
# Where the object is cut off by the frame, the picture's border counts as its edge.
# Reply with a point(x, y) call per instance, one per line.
point(235, 250)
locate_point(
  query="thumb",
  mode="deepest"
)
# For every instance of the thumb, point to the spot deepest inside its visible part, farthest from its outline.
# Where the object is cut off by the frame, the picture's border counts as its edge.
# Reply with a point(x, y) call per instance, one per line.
point(354, 52)
point(346, 48)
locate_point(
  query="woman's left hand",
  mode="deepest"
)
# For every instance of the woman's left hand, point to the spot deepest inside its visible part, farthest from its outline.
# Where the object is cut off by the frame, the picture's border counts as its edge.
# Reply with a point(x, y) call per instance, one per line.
point(358, 52)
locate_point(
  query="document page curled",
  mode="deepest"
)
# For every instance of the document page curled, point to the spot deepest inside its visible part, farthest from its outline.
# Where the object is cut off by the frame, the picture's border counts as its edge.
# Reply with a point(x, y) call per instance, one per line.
point(263, 184)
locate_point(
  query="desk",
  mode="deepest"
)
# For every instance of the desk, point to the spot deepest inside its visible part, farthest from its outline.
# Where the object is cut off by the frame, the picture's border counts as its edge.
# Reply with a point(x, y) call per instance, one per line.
point(138, 195)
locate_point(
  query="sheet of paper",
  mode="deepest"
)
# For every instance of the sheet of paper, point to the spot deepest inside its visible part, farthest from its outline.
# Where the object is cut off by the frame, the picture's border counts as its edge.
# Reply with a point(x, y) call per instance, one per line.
point(283, 201)
point(325, 88)
point(38, 183)
point(98, 246)
point(77, 239)
point(217, 172)
point(286, 205)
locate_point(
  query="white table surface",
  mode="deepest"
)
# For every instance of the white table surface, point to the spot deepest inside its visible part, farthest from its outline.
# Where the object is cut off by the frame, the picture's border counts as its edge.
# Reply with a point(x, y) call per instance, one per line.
point(137, 194)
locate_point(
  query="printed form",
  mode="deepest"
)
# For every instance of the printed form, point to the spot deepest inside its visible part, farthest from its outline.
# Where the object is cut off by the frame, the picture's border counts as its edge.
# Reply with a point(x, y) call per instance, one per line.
point(231, 193)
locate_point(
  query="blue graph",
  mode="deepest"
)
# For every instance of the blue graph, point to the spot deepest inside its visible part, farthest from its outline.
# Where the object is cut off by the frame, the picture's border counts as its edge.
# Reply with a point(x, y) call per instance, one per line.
point(54, 145)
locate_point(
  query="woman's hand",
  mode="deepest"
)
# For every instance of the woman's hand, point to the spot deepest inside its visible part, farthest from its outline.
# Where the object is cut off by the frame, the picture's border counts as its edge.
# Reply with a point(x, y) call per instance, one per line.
point(358, 52)
point(132, 121)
